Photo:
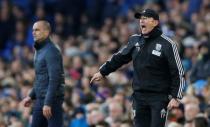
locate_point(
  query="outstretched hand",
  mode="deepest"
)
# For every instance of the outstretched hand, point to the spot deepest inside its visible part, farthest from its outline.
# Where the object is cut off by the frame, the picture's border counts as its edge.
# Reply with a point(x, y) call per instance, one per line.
point(96, 77)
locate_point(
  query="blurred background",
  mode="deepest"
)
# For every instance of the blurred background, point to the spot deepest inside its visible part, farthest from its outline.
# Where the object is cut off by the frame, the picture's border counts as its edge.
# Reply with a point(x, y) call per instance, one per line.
point(89, 32)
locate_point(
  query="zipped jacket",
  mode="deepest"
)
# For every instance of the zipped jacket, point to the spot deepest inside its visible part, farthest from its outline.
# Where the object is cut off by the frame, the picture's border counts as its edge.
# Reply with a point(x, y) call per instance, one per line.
point(156, 62)
point(49, 73)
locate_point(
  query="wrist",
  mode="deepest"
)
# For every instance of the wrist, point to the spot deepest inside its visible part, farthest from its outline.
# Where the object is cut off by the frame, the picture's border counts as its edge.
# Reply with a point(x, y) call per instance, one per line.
point(176, 99)
point(102, 73)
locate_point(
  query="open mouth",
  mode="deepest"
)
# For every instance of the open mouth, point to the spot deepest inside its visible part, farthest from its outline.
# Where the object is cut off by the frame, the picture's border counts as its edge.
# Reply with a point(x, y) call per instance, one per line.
point(143, 27)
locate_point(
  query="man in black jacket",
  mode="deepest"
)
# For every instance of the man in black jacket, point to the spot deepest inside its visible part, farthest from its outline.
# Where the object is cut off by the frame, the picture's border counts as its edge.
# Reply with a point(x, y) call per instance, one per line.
point(158, 73)
point(48, 90)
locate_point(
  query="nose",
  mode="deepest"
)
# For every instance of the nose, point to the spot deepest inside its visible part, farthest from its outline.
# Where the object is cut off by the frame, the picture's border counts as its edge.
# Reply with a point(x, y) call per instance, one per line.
point(141, 20)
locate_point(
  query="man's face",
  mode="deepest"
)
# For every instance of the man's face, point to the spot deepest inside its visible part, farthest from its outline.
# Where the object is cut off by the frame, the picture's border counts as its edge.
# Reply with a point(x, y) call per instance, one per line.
point(147, 24)
point(40, 32)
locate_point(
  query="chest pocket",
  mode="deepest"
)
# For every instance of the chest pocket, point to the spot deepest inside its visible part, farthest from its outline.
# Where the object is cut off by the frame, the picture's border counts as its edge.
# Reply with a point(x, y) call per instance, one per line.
point(40, 65)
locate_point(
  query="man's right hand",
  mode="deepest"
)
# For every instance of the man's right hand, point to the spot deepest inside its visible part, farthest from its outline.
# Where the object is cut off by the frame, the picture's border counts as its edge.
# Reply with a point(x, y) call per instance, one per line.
point(27, 101)
point(96, 77)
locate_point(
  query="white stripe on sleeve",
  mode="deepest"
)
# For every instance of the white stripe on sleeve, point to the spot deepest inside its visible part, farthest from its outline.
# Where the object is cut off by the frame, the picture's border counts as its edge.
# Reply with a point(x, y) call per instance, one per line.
point(179, 65)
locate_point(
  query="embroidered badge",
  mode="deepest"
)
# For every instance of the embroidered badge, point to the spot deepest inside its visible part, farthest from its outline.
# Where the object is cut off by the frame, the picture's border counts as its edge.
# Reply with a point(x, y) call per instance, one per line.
point(158, 47)
point(157, 53)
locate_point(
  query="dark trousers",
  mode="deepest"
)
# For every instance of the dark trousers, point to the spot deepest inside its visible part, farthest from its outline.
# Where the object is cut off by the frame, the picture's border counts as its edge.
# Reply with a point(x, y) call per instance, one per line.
point(38, 119)
point(150, 110)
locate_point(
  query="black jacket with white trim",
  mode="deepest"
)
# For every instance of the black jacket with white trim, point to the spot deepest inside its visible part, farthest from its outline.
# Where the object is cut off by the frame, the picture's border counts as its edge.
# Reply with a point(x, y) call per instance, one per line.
point(156, 62)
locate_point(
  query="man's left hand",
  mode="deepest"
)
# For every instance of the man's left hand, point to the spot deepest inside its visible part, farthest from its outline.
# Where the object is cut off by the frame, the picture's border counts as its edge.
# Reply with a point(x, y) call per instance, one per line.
point(47, 111)
point(174, 103)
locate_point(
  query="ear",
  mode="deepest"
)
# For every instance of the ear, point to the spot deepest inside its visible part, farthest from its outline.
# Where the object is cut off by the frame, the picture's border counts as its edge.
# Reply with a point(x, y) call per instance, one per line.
point(155, 22)
point(47, 33)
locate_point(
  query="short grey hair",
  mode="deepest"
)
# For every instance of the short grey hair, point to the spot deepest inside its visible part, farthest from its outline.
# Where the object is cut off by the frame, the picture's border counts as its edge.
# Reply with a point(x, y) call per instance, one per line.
point(46, 25)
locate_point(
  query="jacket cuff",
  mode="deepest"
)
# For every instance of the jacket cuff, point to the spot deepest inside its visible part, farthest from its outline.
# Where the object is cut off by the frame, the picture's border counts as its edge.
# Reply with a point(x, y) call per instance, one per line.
point(48, 102)
point(32, 95)
point(102, 73)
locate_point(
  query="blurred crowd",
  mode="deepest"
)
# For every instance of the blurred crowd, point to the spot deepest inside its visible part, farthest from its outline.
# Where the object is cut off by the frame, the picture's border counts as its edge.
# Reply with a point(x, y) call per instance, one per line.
point(89, 32)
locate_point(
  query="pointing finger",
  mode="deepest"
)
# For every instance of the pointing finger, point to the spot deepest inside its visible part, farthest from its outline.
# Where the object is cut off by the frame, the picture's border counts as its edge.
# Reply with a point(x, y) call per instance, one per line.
point(92, 79)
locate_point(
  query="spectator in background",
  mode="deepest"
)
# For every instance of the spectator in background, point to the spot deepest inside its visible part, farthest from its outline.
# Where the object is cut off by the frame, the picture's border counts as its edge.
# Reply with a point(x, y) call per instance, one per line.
point(102, 124)
point(201, 70)
point(93, 114)
point(2, 122)
point(6, 22)
point(177, 114)
point(115, 112)
point(200, 121)
point(191, 110)
point(79, 118)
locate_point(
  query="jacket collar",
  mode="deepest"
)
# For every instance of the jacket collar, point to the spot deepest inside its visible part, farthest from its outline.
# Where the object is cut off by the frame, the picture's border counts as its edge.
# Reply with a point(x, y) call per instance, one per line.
point(39, 45)
point(154, 33)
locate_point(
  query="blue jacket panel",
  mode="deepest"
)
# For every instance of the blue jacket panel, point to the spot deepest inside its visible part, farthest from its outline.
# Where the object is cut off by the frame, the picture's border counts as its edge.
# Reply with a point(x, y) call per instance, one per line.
point(79, 122)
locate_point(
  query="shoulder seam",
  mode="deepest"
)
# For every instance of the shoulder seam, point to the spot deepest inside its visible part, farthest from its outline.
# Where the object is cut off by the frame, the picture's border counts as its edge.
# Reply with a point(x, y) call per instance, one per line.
point(168, 39)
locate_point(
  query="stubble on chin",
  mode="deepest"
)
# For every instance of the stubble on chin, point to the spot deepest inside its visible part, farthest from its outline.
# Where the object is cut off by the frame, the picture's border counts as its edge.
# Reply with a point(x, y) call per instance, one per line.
point(36, 40)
